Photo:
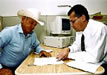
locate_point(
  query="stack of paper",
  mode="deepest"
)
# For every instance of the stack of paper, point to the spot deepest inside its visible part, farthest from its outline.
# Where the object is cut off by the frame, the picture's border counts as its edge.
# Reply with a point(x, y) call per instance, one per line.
point(89, 67)
point(46, 61)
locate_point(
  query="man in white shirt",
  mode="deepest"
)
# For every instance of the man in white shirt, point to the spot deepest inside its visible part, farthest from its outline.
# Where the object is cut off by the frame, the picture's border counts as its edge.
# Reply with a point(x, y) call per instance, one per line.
point(95, 38)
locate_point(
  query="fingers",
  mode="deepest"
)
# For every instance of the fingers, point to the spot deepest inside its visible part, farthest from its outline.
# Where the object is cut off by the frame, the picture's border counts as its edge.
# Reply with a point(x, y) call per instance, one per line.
point(48, 55)
point(60, 56)
point(45, 54)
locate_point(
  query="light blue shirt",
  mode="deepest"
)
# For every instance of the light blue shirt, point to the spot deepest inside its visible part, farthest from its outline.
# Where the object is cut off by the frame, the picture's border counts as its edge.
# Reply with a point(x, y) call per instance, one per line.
point(15, 46)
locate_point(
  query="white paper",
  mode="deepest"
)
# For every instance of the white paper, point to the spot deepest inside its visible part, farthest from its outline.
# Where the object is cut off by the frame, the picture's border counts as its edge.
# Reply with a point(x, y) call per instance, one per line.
point(89, 67)
point(46, 61)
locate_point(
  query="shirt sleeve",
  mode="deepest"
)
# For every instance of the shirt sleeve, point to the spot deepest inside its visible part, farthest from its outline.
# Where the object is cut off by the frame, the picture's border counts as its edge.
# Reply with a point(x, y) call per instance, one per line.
point(36, 44)
point(5, 37)
point(97, 52)
point(100, 43)
point(76, 44)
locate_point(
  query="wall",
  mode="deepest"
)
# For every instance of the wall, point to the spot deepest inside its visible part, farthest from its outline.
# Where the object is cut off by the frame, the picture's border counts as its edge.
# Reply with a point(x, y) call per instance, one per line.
point(13, 20)
point(41, 31)
point(50, 7)
point(1, 25)
point(1, 20)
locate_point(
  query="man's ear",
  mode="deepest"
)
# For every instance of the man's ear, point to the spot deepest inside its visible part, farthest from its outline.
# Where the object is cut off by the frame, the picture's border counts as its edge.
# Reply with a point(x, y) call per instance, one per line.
point(83, 17)
point(23, 17)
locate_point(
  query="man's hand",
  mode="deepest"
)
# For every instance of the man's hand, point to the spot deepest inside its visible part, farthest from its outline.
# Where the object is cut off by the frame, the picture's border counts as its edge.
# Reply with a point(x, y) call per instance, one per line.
point(63, 54)
point(44, 54)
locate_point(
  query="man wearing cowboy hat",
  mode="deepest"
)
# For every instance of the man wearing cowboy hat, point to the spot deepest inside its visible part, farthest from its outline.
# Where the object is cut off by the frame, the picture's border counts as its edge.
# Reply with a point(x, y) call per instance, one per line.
point(18, 41)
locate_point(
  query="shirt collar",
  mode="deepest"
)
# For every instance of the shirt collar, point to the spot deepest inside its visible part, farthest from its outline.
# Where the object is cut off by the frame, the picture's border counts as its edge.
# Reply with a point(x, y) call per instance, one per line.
point(87, 27)
point(20, 29)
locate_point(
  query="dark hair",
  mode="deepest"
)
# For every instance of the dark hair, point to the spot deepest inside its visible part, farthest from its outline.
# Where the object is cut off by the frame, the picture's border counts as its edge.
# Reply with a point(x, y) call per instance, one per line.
point(79, 11)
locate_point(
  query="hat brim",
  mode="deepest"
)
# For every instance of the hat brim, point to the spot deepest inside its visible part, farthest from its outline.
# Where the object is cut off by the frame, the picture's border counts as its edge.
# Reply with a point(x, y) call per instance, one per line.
point(28, 14)
point(40, 22)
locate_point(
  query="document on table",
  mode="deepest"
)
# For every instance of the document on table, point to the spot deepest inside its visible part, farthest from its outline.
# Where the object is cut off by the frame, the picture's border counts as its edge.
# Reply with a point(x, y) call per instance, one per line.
point(89, 67)
point(46, 61)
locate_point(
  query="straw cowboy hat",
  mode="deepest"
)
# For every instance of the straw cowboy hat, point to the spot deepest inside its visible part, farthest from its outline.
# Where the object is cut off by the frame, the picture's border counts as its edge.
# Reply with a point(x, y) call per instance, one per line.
point(32, 13)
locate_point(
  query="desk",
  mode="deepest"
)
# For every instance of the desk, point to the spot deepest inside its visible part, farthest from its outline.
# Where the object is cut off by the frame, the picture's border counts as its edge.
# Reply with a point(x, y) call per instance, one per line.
point(59, 69)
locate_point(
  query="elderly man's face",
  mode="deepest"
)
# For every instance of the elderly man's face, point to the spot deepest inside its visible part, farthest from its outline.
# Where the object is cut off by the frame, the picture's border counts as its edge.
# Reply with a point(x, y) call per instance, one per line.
point(28, 24)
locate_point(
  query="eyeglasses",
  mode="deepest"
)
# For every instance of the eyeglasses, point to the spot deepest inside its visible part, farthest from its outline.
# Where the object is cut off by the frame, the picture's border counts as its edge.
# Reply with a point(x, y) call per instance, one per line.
point(73, 21)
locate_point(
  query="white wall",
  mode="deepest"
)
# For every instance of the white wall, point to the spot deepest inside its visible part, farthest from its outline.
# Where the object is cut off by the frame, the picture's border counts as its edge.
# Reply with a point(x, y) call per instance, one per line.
point(8, 9)
point(49, 7)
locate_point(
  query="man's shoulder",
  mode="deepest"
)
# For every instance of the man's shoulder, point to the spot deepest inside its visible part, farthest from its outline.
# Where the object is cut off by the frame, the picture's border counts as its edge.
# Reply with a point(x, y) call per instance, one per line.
point(96, 24)
point(10, 28)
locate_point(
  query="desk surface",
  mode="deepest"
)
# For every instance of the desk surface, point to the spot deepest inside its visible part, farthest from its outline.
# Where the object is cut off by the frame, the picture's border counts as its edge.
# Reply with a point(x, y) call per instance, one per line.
point(58, 69)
